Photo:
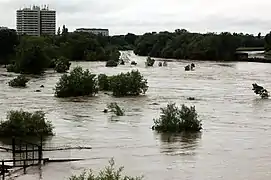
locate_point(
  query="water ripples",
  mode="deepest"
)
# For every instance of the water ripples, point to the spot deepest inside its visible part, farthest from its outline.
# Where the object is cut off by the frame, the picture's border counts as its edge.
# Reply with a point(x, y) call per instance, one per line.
point(234, 144)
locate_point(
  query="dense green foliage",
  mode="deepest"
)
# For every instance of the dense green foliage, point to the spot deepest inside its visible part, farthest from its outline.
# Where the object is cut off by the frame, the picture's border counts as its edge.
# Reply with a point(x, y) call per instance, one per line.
point(124, 42)
point(32, 55)
point(77, 83)
point(61, 65)
point(128, 84)
point(19, 81)
point(124, 84)
point(108, 173)
point(114, 107)
point(32, 60)
point(173, 119)
point(104, 82)
point(182, 44)
point(21, 124)
point(111, 63)
point(8, 41)
point(149, 61)
point(268, 41)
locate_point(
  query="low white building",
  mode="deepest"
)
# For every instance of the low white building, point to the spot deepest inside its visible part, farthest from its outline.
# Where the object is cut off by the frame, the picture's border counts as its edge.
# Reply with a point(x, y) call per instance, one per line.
point(103, 32)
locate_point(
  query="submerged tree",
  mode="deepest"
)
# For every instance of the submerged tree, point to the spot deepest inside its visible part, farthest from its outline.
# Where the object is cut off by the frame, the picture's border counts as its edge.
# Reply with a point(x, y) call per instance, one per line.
point(111, 63)
point(77, 83)
point(62, 65)
point(22, 123)
point(150, 61)
point(19, 81)
point(173, 119)
point(128, 84)
point(104, 82)
point(32, 60)
point(114, 107)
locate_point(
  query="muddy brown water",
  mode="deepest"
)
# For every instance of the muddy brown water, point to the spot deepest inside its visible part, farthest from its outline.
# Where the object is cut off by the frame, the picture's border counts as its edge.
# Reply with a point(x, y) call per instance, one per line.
point(234, 144)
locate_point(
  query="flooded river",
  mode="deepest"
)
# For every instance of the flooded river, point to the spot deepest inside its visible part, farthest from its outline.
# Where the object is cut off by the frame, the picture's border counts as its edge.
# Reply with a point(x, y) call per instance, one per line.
point(234, 144)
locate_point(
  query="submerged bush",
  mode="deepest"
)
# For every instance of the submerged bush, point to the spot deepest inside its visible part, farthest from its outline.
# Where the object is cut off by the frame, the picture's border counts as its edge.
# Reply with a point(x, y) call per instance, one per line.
point(21, 123)
point(12, 68)
point(19, 81)
point(173, 119)
point(104, 82)
point(62, 65)
point(128, 84)
point(77, 83)
point(111, 63)
point(108, 173)
point(149, 61)
point(114, 107)
point(32, 60)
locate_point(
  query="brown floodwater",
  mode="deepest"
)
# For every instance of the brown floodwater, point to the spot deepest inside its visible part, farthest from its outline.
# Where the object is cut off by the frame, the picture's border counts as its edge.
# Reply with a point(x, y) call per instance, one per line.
point(234, 144)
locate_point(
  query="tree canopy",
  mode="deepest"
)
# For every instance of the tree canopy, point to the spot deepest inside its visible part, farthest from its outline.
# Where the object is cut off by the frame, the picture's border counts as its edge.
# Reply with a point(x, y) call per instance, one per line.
point(182, 44)
point(30, 54)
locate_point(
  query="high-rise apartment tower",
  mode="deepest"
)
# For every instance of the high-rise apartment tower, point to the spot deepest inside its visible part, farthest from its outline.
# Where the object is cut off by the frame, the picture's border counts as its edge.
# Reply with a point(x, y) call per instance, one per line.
point(36, 21)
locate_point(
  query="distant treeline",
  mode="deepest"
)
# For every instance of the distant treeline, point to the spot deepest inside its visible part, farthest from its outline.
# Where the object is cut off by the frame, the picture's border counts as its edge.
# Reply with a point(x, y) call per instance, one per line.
point(182, 44)
point(71, 45)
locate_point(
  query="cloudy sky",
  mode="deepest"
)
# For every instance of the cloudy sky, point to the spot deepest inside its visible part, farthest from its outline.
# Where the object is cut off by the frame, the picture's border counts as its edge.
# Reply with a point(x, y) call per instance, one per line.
point(139, 16)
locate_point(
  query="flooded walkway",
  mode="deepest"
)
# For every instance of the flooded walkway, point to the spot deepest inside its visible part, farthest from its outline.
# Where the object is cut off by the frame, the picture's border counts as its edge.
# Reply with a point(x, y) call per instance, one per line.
point(234, 144)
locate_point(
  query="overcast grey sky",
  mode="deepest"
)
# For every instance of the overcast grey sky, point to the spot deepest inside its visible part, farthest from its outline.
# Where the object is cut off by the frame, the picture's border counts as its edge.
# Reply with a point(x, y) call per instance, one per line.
point(139, 16)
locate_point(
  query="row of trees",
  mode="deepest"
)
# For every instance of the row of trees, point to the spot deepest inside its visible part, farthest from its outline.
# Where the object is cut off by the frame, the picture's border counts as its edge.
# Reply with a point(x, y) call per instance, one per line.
point(37, 53)
point(182, 44)
point(268, 42)
point(84, 83)
point(31, 55)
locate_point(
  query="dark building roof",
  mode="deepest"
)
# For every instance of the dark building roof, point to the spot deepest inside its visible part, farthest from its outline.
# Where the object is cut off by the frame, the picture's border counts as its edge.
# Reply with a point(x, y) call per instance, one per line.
point(98, 29)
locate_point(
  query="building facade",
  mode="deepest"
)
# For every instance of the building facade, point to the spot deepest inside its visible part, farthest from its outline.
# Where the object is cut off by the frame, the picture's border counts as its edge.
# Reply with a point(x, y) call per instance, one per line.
point(36, 21)
point(103, 32)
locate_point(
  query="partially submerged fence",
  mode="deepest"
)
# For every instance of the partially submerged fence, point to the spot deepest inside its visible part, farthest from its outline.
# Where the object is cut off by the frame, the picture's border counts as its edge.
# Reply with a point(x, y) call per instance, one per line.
point(24, 154)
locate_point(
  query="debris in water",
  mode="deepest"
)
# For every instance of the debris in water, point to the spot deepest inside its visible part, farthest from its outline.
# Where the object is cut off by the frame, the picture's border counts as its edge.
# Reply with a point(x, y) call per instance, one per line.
point(191, 98)
point(260, 91)
point(133, 63)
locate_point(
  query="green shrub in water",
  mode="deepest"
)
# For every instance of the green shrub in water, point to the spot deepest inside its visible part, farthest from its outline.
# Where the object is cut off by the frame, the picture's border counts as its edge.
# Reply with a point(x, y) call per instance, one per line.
point(111, 63)
point(19, 81)
point(62, 65)
point(114, 107)
point(12, 68)
point(21, 123)
point(149, 61)
point(104, 82)
point(128, 84)
point(108, 173)
point(173, 119)
point(77, 83)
